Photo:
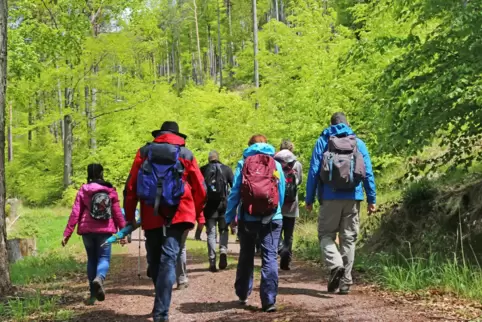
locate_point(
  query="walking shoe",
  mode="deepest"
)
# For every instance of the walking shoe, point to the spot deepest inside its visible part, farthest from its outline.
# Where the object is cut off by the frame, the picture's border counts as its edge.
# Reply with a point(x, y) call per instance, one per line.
point(212, 268)
point(243, 301)
point(284, 263)
point(161, 320)
point(98, 289)
point(345, 289)
point(335, 277)
point(223, 261)
point(182, 286)
point(269, 308)
point(90, 301)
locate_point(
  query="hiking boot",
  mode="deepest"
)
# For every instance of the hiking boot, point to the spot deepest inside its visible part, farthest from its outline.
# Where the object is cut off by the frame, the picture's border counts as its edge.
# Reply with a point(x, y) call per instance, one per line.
point(335, 277)
point(243, 301)
point(90, 301)
point(182, 286)
point(285, 264)
point(98, 289)
point(345, 289)
point(269, 308)
point(223, 261)
point(212, 268)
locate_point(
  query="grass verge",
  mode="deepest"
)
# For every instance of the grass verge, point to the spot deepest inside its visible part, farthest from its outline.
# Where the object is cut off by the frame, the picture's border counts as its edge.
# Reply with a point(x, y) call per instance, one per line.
point(52, 268)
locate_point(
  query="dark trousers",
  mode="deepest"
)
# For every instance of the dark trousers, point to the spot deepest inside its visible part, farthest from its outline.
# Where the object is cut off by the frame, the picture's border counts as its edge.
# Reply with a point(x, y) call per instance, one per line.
point(162, 253)
point(269, 237)
point(286, 242)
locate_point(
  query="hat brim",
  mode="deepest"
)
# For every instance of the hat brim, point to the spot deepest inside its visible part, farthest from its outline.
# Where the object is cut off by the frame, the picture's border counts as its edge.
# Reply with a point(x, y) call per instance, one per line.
point(156, 133)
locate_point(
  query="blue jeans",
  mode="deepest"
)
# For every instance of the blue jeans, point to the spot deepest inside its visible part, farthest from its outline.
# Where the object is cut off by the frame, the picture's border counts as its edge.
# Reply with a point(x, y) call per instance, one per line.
point(163, 252)
point(98, 258)
point(269, 235)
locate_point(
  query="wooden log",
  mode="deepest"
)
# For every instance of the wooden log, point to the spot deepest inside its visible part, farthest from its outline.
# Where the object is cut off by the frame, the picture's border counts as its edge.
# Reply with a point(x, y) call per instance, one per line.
point(19, 248)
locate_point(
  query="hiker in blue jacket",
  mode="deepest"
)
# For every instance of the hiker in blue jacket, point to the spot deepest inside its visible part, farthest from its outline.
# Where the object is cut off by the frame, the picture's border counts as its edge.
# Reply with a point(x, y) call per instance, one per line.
point(339, 211)
point(268, 228)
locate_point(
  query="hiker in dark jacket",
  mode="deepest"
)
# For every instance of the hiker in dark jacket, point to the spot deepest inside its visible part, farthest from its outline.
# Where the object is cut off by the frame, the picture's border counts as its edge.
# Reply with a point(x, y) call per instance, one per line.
point(217, 176)
point(163, 238)
point(290, 209)
point(340, 209)
point(267, 226)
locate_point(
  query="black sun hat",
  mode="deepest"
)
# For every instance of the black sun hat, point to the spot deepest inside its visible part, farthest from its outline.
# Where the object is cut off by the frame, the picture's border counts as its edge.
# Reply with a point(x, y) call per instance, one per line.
point(168, 126)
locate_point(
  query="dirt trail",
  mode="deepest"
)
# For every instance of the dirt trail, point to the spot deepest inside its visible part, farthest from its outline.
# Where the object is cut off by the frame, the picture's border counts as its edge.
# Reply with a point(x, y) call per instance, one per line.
point(210, 297)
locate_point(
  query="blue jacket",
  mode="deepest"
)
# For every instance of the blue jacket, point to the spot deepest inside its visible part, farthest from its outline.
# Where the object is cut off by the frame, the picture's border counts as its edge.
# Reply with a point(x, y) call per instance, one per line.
point(234, 198)
point(325, 192)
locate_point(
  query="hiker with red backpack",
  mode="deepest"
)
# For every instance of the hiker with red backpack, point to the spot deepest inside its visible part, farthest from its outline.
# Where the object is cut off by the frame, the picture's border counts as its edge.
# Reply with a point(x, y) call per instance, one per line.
point(167, 181)
point(219, 179)
point(259, 189)
point(97, 214)
point(293, 172)
point(340, 169)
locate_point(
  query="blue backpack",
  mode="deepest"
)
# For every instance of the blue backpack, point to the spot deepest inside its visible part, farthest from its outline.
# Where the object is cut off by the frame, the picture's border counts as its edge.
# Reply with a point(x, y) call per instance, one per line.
point(160, 184)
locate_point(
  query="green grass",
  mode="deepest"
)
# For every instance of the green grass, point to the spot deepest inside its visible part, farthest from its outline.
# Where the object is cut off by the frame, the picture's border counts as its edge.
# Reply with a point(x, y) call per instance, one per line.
point(399, 273)
point(51, 268)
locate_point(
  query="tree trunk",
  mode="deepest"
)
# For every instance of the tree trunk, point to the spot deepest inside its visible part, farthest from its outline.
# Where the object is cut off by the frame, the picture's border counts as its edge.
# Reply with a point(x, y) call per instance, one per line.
point(220, 56)
point(5, 284)
point(199, 63)
point(67, 151)
point(255, 45)
point(92, 121)
point(10, 139)
point(231, 44)
point(276, 12)
point(61, 109)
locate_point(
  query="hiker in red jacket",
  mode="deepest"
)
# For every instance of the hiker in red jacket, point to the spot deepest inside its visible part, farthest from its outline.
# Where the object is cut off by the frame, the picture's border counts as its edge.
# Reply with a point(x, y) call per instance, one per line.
point(169, 212)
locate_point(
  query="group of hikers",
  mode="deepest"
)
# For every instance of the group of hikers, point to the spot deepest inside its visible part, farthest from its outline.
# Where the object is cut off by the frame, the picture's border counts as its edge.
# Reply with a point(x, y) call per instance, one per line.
point(259, 201)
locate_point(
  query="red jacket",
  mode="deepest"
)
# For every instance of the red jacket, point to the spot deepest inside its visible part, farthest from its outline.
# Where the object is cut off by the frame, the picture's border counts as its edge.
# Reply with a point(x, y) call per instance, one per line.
point(192, 203)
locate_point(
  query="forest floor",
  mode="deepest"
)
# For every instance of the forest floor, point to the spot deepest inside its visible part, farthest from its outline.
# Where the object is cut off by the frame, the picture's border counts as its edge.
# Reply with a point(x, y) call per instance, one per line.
point(210, 296)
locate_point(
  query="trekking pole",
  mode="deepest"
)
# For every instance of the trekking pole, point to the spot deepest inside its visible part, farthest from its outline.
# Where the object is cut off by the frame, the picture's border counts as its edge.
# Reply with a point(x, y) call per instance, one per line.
point(139, 257)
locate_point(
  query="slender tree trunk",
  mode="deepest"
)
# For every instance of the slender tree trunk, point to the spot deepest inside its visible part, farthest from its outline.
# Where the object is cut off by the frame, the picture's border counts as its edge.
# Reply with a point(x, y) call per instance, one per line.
point(276, 12)
point(30, 123)
point(5, 285)
point(198, 43)
point(220, 55)
point(168, 65)
point(255, 45)
point(61, 109)
point(10, 138)
point(68, 141)
point(92, 120)
point(231, 44)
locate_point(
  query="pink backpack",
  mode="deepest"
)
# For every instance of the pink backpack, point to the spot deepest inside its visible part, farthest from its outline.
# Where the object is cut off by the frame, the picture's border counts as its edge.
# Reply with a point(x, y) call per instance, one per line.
point(259, 188)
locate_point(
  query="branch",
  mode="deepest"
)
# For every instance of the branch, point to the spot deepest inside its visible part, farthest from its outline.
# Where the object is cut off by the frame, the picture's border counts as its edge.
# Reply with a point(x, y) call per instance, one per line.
point(120, 109)
point(92, 67)
point(51, 14)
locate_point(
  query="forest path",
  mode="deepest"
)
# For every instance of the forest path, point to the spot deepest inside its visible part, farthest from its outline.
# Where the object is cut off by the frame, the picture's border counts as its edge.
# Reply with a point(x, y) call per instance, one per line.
point(210, 296)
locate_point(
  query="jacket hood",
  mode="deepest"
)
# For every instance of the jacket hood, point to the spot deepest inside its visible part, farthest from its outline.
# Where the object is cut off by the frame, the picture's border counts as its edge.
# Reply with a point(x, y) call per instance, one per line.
point(259, 148)
point(171, 138)
point(338, 130)
point(285, 156)
point(94, 187)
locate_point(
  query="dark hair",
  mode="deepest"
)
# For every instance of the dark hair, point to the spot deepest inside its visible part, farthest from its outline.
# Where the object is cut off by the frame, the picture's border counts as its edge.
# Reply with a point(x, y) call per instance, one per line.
point(95, 171)
point(257, 138)
point(287, 145)
point(338, 117)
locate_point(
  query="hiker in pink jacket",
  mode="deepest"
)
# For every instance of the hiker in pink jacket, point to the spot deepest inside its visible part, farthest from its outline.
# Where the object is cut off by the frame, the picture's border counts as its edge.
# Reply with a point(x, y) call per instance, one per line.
point(97, 215)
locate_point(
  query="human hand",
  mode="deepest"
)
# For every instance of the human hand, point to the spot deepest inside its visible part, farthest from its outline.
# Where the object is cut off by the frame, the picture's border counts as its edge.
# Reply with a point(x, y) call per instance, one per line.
point(371, 208)
point(200, 227)
point(309, 208)
point(134, 224)
point(123, 241)
point(233, 224)
point(65, 240)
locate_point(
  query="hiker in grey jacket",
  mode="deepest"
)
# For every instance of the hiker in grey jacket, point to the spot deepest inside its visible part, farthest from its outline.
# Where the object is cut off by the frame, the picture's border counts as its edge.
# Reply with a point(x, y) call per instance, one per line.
point(290, 208)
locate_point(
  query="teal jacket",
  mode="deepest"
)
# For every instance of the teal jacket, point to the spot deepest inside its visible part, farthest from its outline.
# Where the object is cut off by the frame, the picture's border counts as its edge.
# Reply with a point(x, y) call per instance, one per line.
point(234, 198)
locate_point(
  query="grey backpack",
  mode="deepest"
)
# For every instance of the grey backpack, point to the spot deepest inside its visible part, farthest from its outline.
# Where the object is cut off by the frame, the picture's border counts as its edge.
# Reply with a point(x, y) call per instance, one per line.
point(343, 166)
point(101, 206)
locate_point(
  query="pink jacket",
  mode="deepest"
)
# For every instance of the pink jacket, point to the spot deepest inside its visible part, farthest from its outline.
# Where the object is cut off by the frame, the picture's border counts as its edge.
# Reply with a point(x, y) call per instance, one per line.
point(81, 213)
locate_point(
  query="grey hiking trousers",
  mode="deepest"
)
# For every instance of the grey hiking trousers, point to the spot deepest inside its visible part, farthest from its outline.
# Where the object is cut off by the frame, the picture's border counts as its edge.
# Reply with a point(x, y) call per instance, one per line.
point(343, 217)
point(181, 264)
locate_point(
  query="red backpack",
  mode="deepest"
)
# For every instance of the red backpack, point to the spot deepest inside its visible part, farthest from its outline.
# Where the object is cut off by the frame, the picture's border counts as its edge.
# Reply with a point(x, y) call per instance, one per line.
point(259, 188)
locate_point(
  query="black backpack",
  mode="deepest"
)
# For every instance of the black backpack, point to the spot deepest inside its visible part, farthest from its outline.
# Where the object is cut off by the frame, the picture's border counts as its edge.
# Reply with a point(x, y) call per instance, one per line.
point(291, 189)
point(101, 206)
point(215, 182)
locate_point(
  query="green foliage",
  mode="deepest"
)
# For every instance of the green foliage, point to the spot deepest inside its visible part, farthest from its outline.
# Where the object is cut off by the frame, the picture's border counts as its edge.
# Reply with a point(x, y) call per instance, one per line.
point(435, 273)
point(38, 306)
